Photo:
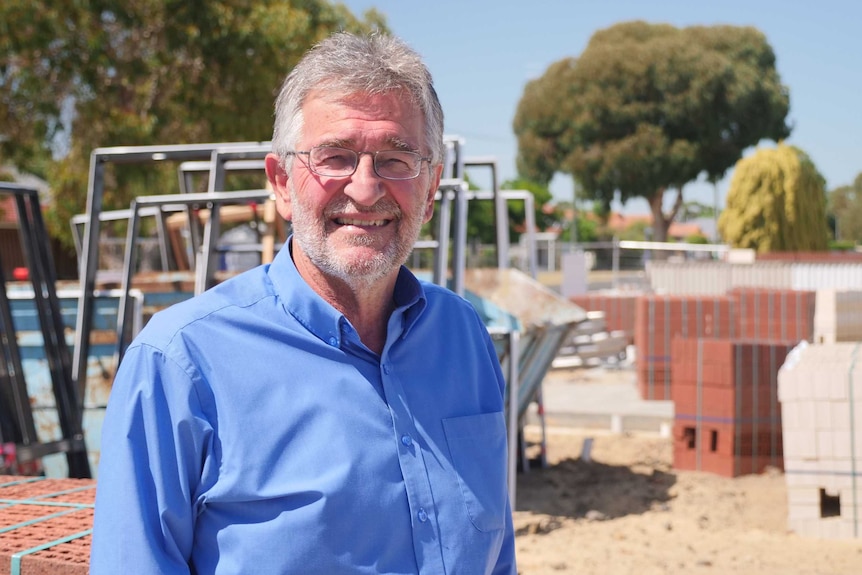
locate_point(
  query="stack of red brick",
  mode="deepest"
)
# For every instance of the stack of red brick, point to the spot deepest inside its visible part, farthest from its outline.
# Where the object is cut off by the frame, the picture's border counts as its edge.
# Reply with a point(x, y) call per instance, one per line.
point(45, 525)
point(727, 418)
point(775, 315)
point(660, 319)
point(717, 359)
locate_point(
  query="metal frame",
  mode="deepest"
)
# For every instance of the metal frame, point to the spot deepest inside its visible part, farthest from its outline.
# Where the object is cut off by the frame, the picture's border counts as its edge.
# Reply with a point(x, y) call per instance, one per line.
point(88, 263)
point(501, 215)
point(203, 265)
point(42, 273)
point(79, 223)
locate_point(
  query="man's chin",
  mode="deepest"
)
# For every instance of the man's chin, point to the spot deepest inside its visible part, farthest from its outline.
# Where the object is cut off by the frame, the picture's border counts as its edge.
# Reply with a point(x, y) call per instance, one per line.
point(361, 263)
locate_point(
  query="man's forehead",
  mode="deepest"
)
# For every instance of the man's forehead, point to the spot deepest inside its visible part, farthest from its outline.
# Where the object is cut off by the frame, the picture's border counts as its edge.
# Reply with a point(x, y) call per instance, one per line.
point(392, 112)
point(363, 98)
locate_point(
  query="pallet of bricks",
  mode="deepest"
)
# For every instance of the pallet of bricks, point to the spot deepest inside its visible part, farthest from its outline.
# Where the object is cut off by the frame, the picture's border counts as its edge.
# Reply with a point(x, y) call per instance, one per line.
point(750, 314)
point(660, 319)
point(727, 415)
point(820, 390)
point(45, 525)
point(717, 358)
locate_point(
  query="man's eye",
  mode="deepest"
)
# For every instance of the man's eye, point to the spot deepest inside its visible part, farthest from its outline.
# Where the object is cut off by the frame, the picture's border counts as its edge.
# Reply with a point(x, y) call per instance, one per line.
point(393, 162)
point(333, 157)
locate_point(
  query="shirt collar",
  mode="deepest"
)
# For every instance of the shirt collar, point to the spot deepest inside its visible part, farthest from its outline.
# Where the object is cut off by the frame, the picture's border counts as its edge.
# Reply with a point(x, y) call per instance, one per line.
point(318, 316)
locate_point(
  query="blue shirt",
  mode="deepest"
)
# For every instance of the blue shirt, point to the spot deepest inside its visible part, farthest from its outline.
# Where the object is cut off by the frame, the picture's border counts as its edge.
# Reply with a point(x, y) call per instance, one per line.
point(249, 430)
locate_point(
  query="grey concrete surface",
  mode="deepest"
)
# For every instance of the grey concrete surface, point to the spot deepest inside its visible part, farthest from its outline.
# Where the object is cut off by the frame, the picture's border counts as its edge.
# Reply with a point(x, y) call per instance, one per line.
point(599, 398)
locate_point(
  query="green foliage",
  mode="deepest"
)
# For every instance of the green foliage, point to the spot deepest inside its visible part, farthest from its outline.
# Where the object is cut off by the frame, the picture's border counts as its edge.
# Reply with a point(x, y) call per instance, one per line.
point(696, 239)
point(776, 202)
point(588, 230)
point(693, 210)
point(75, 76)
point(650, 107)
point(635, 232)
point(842, 245)
point(845, 207)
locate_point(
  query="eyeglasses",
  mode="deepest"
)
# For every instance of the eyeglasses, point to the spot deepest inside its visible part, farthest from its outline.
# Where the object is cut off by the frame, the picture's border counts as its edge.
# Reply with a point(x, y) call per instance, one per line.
point(335, 162)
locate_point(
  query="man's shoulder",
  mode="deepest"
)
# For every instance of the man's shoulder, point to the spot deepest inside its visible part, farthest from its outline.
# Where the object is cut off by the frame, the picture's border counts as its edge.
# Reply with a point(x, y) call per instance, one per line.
point(445, 304)
point(439, 295)
point(241, 291)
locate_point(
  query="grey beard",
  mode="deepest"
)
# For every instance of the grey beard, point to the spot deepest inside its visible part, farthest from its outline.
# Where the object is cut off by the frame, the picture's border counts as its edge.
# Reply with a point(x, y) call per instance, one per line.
point(356, 275)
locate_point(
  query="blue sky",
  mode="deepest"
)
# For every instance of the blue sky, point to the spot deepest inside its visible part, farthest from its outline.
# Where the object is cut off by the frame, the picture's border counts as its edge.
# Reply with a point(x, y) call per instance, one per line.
point(482, 53)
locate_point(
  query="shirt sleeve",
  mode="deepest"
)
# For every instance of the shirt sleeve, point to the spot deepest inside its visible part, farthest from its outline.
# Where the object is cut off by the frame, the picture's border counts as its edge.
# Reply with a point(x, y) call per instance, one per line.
point(154, 448)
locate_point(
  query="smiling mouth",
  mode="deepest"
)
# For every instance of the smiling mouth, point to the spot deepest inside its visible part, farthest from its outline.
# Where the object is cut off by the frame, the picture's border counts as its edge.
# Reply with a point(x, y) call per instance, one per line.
point(361, 223)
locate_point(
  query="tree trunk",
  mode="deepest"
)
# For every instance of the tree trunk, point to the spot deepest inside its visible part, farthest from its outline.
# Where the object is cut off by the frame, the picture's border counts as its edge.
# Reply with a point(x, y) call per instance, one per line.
point(659, 224)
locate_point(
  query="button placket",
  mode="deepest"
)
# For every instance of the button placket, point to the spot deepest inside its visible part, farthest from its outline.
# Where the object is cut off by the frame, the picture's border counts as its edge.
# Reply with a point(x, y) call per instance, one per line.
point(414, 469)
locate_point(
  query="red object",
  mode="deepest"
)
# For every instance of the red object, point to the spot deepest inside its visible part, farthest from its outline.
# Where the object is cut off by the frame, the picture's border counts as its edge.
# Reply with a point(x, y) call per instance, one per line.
point(20, 274)
point(727, 417)
point(780, 315)
point(659, 319)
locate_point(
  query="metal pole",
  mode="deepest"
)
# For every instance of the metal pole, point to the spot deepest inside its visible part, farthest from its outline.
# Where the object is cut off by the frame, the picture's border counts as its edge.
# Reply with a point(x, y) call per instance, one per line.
point(514, 384)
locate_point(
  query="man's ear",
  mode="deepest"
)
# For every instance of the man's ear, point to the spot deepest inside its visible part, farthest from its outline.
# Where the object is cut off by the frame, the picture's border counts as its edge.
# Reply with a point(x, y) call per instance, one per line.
point(278, 182)
point(433, 185)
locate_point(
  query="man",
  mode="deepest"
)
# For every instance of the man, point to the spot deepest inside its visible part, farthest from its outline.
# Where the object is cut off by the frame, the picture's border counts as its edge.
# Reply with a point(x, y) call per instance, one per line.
point(327, 413)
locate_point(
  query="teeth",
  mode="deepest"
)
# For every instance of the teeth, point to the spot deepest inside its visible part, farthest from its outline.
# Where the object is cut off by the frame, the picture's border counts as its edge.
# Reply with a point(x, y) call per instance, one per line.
point(350, 222)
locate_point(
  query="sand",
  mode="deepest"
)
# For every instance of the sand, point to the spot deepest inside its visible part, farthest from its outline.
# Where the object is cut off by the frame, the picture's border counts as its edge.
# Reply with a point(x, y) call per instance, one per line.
point(626, 510)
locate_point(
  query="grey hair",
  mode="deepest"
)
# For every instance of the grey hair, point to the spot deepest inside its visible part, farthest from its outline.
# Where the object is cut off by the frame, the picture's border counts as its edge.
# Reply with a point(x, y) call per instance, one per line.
point(345, 64)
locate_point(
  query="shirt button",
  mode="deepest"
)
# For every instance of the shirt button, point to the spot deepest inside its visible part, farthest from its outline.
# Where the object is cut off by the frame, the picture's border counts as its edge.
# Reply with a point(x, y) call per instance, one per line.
point(423, 517)
point(333, 341)
point(406, 440)
point(386, 369)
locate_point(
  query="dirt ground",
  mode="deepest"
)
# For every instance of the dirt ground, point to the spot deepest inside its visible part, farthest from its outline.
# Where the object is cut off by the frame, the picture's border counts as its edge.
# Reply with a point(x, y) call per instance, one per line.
point(626, 510)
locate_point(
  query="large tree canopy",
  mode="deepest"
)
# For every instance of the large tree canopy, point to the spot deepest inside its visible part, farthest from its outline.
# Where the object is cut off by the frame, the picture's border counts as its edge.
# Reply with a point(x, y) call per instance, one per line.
point(651, 107)
point(776, 202)
point(79, 75)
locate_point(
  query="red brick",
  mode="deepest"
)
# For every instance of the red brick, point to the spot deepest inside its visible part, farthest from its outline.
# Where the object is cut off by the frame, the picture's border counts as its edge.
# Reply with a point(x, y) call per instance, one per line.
point(72, 518)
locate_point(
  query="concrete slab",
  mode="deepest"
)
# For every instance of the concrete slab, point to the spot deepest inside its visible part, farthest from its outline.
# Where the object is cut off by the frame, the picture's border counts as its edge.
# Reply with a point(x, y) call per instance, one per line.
point(602, 398)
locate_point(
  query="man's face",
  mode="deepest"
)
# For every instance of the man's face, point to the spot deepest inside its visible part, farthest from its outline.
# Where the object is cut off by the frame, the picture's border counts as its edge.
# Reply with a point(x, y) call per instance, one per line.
point(361, 227)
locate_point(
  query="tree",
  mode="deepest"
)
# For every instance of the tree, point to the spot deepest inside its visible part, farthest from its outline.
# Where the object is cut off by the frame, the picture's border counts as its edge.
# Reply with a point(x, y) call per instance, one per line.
point(693, 210)
point(79, 75)
point(585, 228)
point(845, 207)
point(647, 108)
point(776, 202)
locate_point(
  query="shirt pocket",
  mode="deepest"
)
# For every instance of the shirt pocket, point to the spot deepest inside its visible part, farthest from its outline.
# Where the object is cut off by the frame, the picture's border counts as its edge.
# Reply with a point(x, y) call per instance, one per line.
point(477, 444)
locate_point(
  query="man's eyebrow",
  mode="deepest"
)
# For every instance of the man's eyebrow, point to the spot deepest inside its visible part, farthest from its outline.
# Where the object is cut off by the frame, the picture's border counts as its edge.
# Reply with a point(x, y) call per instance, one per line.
point(399, 144)
point(338, 143)
point(393, 143)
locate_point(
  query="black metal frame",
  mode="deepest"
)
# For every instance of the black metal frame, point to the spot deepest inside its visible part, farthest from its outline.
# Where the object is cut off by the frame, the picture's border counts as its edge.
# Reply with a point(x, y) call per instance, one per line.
point(14, 396)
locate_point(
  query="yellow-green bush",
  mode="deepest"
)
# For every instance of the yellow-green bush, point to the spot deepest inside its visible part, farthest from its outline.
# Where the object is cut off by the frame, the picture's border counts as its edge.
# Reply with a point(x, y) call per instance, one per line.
point(776, 202)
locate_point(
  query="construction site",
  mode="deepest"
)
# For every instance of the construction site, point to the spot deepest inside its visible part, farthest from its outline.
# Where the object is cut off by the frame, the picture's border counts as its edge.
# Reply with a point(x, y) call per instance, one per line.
point(700, 416)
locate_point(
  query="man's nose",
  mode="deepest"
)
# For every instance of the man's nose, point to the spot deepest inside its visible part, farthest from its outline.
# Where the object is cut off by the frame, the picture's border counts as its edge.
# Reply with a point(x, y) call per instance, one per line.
point(365, 187)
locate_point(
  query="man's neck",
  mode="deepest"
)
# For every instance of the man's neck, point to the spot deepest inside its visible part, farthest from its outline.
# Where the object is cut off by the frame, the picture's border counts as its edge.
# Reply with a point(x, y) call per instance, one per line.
point(367, 304)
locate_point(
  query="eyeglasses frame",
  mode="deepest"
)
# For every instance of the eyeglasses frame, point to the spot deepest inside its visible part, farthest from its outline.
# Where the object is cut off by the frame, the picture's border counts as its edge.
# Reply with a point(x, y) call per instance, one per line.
point(359, 155)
